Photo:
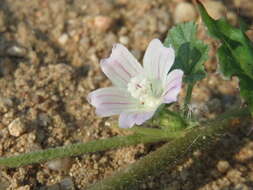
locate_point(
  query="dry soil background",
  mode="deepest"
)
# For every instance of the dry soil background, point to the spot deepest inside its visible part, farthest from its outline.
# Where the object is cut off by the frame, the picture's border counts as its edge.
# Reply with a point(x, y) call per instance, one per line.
point(49, 61)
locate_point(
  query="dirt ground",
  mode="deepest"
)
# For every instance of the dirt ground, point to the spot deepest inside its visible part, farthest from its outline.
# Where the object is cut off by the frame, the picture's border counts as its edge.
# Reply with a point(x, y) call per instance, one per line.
point(49, 62)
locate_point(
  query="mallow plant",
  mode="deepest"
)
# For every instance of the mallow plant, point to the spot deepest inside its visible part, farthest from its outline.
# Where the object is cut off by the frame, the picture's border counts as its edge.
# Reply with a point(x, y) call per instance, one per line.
point(142, 95)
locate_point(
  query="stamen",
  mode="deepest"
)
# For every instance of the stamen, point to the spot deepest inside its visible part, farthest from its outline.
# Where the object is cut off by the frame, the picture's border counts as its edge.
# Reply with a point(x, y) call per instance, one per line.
point(142, 89)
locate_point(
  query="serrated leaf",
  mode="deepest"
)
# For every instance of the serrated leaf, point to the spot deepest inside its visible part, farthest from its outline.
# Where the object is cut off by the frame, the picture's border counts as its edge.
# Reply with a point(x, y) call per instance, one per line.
point(234, 40)
point(235, 54)
point(191, 53)
point(181, 34)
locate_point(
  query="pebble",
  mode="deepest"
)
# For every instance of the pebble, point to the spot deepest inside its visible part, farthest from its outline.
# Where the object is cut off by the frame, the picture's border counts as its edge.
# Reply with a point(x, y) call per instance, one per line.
point(215, 9)
point(223, 166)
point(67, 184)
point(241, 186)
point(63, 39)
point(124, 40)
point(62, 164)
point(245, 153)
point(184, 12)
point(17, 127)
point(16, 51)
point(234, 175)
point(103, 23)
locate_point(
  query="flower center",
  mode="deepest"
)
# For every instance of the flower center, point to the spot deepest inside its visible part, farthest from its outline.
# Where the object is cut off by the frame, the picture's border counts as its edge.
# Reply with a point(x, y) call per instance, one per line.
point(146, 91)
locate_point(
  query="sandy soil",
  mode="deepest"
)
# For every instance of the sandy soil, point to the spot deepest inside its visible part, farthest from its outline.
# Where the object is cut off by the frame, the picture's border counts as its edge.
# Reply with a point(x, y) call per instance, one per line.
point(49, 62)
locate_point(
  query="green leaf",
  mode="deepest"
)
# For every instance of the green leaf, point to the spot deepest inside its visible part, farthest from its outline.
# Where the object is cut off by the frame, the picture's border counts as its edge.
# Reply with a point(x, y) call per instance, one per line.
point(228, 65)
point(235, 53)
point(234, 41)
point(191, 53)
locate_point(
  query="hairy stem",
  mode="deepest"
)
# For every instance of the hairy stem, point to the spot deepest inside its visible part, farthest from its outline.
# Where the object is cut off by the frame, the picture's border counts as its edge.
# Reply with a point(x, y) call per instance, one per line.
point(166, 156)
point(79, 148)
point(187, 99)
point(156, 132)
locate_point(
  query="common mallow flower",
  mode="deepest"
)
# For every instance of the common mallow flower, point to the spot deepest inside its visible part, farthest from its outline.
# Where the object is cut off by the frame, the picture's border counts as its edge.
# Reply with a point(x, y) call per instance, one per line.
point(137, 91)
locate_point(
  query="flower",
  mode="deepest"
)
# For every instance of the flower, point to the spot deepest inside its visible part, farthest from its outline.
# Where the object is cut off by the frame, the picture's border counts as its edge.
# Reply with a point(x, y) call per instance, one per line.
point(138, 91)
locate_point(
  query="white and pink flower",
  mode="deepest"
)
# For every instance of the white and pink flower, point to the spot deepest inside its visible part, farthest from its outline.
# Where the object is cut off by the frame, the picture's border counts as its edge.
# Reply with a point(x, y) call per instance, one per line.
point(137, 91)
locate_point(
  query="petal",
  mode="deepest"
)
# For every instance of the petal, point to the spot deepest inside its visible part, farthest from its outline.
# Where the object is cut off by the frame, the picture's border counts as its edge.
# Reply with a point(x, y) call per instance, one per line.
point(173, 86)
point(111, 101)
point(120, 66)
point(158, 60)
point(128, 120)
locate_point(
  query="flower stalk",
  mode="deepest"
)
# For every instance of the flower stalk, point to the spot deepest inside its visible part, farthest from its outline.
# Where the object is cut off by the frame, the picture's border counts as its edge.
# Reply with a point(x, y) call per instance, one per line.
point(187, 99)
point(155, 135)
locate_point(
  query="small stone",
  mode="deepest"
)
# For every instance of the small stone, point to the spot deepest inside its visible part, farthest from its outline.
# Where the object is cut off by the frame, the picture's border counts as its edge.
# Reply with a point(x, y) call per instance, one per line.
point(124, 40)
point(16, 51)
point(244, 154)
point(223, 166)
point(241, 186)
point(59, 164)
point(102, 23)
point(67, 184)
point(184, 12)
point(215, 9)
point(235, 176)
point(17, 127)
point(63, 39)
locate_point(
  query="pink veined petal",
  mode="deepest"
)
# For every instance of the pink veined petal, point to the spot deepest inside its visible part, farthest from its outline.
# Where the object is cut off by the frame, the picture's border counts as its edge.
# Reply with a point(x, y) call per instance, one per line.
point(128, 120)
point(111, 101)
point(173, 86)
point(121, 66)
point(158, 60)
